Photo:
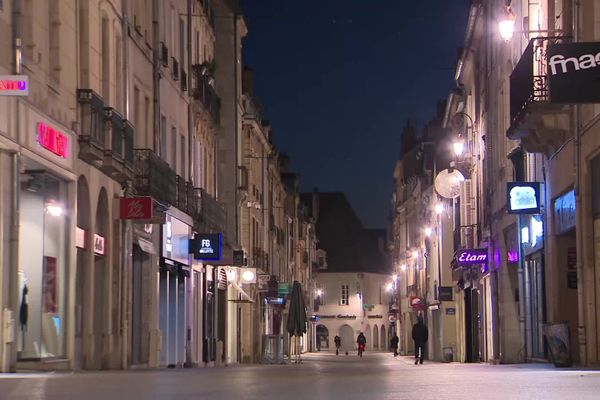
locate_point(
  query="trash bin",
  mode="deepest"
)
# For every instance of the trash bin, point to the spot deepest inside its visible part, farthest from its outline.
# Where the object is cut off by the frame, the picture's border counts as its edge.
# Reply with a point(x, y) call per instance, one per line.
point(559, 343)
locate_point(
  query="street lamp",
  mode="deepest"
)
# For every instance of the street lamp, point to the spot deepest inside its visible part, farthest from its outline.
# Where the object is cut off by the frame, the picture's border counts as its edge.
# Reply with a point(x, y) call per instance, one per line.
point(459, 147)
point(507, 25)
point(415, 253)
point(403, 267)
point(439, 208)
point(428, 231)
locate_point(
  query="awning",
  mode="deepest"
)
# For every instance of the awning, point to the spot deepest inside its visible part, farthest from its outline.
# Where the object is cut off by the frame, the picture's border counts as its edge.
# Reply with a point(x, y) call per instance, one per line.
point(146, 246)
point(245, 297)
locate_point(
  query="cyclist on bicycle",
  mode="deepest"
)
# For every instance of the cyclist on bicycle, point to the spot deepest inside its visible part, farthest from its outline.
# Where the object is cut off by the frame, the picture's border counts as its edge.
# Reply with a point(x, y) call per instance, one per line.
point(362, 342)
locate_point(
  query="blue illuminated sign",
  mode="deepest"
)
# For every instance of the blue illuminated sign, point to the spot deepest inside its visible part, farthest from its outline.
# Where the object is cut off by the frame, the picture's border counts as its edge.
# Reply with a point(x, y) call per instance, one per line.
point(523, 197)
point(564, 212)
point(207, 246)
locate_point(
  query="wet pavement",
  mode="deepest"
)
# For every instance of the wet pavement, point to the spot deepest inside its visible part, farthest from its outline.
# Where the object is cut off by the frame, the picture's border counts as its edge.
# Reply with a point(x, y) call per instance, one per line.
point(320, 376)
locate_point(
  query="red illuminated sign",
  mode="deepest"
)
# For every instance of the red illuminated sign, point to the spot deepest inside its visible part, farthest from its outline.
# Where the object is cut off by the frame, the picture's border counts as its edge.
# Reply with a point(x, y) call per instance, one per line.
point(14, 85)
point(136, 207)
point(53, 140)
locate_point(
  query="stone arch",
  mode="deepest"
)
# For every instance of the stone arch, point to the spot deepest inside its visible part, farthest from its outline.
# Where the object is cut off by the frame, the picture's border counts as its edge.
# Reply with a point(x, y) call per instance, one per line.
point(83, 267)
point(383, 339)
point(100, 279)
point(375, 337)
point(368, 338)
point(347, 336)
point(323, 338)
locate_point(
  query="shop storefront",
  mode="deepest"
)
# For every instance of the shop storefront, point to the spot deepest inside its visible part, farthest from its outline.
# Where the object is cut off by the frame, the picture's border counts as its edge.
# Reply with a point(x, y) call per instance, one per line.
point(45, 240)
point(174, 274)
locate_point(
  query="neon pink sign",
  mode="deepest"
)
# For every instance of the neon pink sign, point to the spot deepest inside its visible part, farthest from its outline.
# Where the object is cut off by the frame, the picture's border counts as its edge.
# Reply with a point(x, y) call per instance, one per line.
point(14, 85)
point(472, 256)
point(53, 140)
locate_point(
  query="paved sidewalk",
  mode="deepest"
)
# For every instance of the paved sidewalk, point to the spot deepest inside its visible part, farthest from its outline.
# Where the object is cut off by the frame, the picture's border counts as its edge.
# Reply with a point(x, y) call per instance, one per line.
point(377, 376)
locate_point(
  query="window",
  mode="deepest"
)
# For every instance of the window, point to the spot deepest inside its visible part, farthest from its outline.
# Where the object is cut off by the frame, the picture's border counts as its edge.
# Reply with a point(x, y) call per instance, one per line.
point(163, 137)
point(182, 157)
point(173, 162)
point(105, 58)
point(54, 40)
point(345, 300)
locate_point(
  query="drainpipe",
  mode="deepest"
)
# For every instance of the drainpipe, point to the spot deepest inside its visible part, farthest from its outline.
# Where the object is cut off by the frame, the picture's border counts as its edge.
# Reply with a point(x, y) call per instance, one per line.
point(156, 76)
point(576, 116)
point(190, 80)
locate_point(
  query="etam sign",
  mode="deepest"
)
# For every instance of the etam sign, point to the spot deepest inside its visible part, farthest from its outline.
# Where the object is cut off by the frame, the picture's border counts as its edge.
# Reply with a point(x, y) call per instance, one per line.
point(466, 257)
point(574, 72)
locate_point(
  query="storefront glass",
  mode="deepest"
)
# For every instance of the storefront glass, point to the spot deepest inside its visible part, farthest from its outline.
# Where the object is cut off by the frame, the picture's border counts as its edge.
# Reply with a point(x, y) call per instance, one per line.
point(43, 265)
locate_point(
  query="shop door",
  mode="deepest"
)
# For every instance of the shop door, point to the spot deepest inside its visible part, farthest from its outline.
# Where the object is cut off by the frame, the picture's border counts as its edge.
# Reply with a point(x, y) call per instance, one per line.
point(536, 305)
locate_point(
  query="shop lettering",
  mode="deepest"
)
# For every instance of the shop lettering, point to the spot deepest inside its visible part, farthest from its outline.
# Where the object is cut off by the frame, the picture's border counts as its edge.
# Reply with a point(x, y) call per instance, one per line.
point(53, 140)
point(98, 245)
point(585, 61)
point(473, 258)
point(13, 85)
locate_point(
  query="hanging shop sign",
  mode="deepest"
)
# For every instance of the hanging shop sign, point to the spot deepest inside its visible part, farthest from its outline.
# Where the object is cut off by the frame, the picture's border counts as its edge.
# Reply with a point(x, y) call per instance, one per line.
point(262, 281)
point(53, 140)
point(574, 72)
point(139, 208)
point(99, 244)
point(207, 246)
point(417, 303)
point(564, 212)
point(523, 197)
point(445, 293)
point(14, 85)
point(467, 257)
point(283, 288)
point(80, 238)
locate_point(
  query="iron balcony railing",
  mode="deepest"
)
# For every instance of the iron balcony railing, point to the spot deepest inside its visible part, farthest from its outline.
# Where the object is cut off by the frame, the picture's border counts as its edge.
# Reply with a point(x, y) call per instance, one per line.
point(91, 117)
point(212, 214)
point(529, 79)
point(182, 193)
point(154, 177)
point(203, 90)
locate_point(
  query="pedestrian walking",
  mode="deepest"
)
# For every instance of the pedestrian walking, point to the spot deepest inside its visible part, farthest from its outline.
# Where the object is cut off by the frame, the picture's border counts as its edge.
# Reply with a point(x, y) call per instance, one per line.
point(420, 334)
point(338, 343)
point(394, 344)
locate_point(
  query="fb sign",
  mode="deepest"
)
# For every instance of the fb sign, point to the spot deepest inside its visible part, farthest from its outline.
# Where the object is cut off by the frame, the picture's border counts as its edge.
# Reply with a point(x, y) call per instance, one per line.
point(207, 246)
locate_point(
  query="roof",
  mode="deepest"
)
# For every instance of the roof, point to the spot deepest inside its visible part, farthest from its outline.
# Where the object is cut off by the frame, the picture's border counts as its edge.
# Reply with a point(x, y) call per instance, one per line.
point(349, 245)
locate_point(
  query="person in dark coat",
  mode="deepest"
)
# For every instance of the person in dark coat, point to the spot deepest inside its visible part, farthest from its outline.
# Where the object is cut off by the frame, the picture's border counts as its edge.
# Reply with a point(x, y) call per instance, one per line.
point(420, 334)
point(338, 344)
point(394, 344)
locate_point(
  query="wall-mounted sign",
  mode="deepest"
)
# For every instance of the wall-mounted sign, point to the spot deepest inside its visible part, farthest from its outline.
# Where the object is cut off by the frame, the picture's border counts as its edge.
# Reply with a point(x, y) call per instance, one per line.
point(523, 197)
point(445, 293)
point(283, 288)
point(378, 316)
point(99, 245)
point(467, 257)
point(574, 72)
point(14, 85)
point(53, 140)
point(450, 311)
point(342, 316)
point(564, 212)
point(80, 238)
point(207, 246)
point(275, 300)
point(135, 208)
point(325, 316)
point(176, 240)
point(513, 256)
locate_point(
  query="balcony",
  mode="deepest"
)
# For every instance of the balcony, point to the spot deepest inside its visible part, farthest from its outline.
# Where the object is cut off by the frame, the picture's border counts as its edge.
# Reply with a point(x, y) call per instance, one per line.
point(203, 90)
point(260, 259)
point(212, 214)
point(91, 134)
point(194, 202)
point(154, 177)
point(113, 133)
point(540, 125)
point(182, 193)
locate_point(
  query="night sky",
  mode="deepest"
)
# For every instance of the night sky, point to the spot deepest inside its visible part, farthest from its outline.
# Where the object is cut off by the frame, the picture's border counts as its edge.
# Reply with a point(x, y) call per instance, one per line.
point(339, 78)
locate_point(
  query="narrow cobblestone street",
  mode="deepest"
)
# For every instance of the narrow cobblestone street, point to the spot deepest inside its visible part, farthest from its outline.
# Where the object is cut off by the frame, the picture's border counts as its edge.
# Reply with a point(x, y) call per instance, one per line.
point(323, 376)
